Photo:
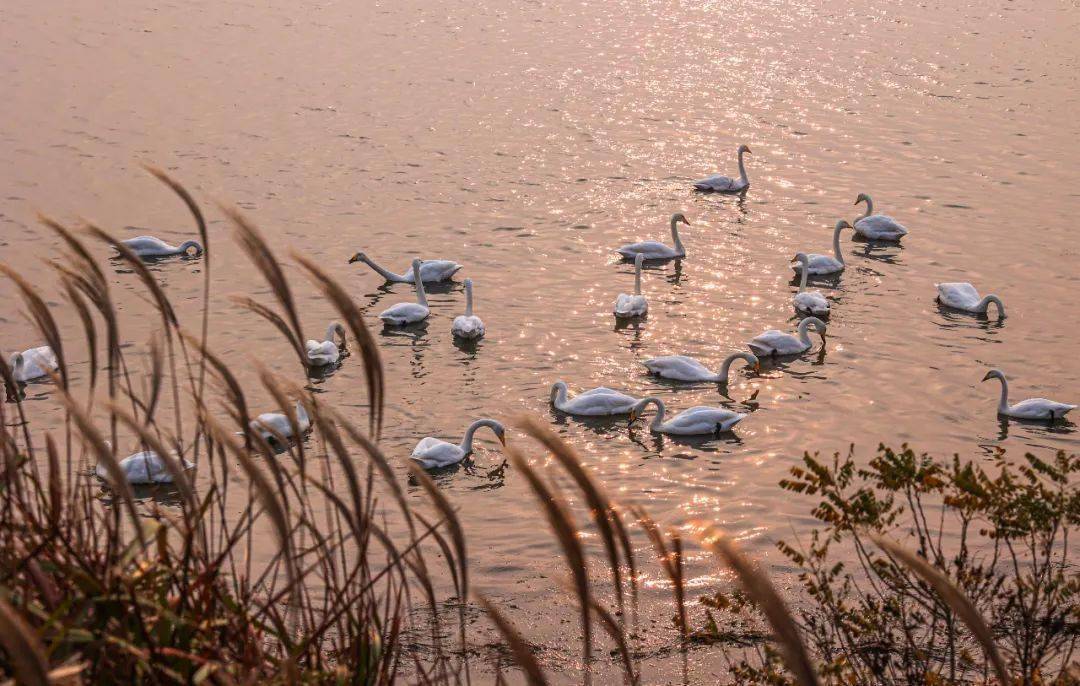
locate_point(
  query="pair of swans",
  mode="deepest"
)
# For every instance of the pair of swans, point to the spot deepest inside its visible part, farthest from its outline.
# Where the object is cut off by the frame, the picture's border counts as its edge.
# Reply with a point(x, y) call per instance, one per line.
point(330, 351)
point(431, 271)
point(636, 305)
point(33, 363)
point(433, 453)
point(655, 250)
point(144, 467)
point(696, 421)
point(1032, 408)
point(467, 326)
point(683, 368)
point(878, 227)
point(718, 183)
point(152, 246)
point(963, 296)
point(774, 343)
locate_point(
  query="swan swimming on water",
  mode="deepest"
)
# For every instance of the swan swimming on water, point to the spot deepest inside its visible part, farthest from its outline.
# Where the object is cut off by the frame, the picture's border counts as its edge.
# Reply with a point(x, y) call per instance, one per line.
point(597, 402)
point(432, 453)
point(963, 296)
point(877, 226)
point(723, 184)
point(431, 271)
point(809, 302)
point(1033, 408)
point(682, 368)
point(821, 265)
point(33, 363)
point(655, 250)
point(322, 353)
point(775, 343)
point(402, 314)
point(145, 467)
point(696, 421)
point(468, 325)
point(636, 305)
point(151, 246)
point(268, 424)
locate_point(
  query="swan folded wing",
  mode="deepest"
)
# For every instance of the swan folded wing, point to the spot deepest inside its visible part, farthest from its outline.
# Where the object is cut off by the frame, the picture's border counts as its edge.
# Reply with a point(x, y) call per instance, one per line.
point(646, 248)
point(678, 367)
point(404, 313)
point(958, 294)
point(630, 305)
point(812, 302)
point(1040, 408)
point(468, 327)
point(322, 352)
point(716, 182)
point(880, 226)
point(774, 342)
point(431, 452)
point(436, 270)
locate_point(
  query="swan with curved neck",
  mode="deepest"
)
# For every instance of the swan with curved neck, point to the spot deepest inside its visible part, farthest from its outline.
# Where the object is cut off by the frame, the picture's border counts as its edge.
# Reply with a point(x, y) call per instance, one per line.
point(151, 246)
point(329, 351)
point(636, 305)
point(683, 368)
point(655, 250)
point(718, 183)
point(468, 325)
point(809, 302)
point(1033, 408)
point(431, 271)
point(432, 453)
point(964, 296)
point(33, 363)
point(775, 343)
point(270, 425)
point(877, 226)
point(821, 265)
point(696, 421)
point(597, 402)
point(403, 314)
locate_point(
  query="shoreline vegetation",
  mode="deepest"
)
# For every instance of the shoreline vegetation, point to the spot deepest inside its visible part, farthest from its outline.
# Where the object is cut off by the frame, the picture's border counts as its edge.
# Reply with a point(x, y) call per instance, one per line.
point(954, 571)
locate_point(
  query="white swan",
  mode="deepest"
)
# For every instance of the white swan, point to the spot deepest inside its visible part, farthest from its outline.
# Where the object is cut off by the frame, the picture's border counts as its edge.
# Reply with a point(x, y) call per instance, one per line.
point(432, 453)
point(144, 467)
point(696, 421)
point(1033, 408)
point(655, 250)
point(774, 343)
point(877, 226)
point(33, 363)
point(151, 246)
point(963, 296)
point(322, 353)
point(409, 313)
point(821, 265)
point(682, 368)
point(431, 271)
point(268, 424)
point(636, 305)
point(809, 302)
point(597, 402)
point(724, 184)
point(468, 325)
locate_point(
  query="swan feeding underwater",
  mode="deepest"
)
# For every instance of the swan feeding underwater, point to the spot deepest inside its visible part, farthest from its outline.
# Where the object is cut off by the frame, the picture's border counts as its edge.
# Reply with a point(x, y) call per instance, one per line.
point(145, 467)
point(696, 421)
point(773, 343)
point(431, 271)
point(33, 363)
point(878, 227)
point(682, 368)
point(655, 250)
point(403, 314)
point(1032, 408)
point(636, 305)
point(151, 246)
point(322, 353)
point(468, 325)
point(432, 453)
point(963, 296)
point(809, 302)
point(718, 183)
point(822, 265)
point(597, 402)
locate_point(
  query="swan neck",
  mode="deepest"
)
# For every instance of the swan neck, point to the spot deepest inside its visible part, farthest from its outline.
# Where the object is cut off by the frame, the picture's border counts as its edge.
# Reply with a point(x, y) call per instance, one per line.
point(17, 363)
point(725, 368)
point(1003, 404)
point(467, 441)
point(804, 331)
point(869, 207)
point(805, 276)
point(675, 235)
point(558, 395)
point(637, 278)
point(421, 294)
point(385, 273)
point(742, 168)
point(660, 411)
point(836, 244)
point(468, 299)
point(984, 305)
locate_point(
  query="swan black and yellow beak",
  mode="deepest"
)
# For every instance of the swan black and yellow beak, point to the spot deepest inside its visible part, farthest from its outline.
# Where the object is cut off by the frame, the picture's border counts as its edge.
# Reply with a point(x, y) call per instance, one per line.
point(354, 258)
point(502, 439)
point(986, 378)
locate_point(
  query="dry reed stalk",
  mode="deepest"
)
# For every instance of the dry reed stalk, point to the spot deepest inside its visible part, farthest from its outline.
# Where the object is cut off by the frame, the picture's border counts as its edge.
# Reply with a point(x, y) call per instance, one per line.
point(23, 647)
point(523, 652)
point(672, 562)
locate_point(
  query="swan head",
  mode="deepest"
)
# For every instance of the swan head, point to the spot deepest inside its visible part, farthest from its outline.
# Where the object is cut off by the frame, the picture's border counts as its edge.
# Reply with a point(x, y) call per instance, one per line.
point(678, 217)
point(557, 388)
point(189, 245)
point(819, 326)
point(802, 258)
point(500, 433)
point(994, 374)
point(639, 408)
point(358, 257)
point(754, 362)
point(863, 197)
point(843, 224)
point(744, 148)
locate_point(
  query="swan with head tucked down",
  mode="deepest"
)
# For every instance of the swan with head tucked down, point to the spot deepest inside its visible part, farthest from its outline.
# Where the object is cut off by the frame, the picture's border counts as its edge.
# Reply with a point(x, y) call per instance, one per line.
point(322, 353)
point(151, 246)
point(655, 250)
point(775, 343)
point(468, 325)
point(963, 296)
point(724, 184)
point(402, 314)
point(697, 421)
point(144, 467)
point(821, 265)
point(271, 424)
point(1033, 408)
point(33, 363)
point(809, 302)
point(683, 368)
point(431, 271)
point(636, 305)
point(597, 402)
point(877, 226)
point(432, 453)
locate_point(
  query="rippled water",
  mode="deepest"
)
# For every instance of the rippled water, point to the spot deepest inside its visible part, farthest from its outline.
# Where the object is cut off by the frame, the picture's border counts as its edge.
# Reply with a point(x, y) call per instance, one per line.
point(526, 140)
